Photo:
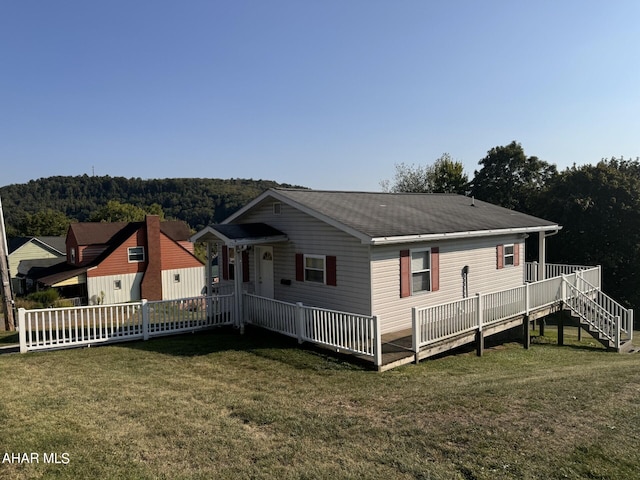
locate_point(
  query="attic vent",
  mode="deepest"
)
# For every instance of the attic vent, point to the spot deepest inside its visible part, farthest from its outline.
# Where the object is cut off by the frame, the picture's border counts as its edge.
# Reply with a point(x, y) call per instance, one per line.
point(277, 208)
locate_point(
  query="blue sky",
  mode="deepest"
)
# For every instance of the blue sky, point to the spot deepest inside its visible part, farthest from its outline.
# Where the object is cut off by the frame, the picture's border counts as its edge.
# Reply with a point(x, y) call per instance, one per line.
point(328, 94)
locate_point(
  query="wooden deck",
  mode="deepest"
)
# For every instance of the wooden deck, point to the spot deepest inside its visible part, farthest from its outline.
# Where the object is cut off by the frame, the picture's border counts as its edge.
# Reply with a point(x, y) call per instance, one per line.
point(397, 346)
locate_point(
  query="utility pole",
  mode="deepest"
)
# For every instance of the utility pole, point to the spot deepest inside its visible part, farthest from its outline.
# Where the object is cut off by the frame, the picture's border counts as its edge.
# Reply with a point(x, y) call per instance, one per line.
point(7, 295)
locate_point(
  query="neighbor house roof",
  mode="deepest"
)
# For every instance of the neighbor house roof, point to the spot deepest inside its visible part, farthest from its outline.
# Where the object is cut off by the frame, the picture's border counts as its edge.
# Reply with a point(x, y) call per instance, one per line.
point(377, 218)
point(110, 234)
point(102, 233)
point(55, 245)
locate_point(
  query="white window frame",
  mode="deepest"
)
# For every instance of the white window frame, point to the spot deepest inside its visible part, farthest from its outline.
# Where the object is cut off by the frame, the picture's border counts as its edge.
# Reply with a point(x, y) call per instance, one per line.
point(323, 269)
point(117, 284)
point(176, 278)
point(506, 255)
point(426, 270)
point(277, 208)
point(130, 253)
point(72, 253)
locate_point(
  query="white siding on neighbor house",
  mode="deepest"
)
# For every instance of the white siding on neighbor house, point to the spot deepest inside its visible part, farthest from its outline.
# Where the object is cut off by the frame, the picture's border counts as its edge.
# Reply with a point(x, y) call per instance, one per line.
point(190, 285)
point(129, 288)
point(307, 235)
point(478, 254)
point(28, 251)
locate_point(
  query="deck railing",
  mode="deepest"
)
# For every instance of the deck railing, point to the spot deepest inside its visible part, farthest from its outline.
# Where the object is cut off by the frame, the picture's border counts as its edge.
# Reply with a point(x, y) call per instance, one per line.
point(437, 323)
point(344, 331)
point(552, 270)
point(52, 328)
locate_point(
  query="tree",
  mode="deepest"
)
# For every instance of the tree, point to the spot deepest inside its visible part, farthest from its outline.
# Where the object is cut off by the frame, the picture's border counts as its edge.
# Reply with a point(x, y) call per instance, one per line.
point(47, 222)
point(599, 210)
point(115, 211)
point(444, 176)
point(448, 176)
point(511, 179)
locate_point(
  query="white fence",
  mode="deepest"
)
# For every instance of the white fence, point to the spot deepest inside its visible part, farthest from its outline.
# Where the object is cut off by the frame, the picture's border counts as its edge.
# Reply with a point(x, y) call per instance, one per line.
point(552, 270)
point(51, 328)
point(347, 332)
point(437, 323)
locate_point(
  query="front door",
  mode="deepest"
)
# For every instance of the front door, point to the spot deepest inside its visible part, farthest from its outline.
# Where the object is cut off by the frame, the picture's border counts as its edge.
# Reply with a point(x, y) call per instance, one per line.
point(264, 262)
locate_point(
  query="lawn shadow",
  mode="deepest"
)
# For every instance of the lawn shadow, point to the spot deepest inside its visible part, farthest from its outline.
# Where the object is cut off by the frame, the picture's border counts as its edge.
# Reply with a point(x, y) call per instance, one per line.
point(256, 341)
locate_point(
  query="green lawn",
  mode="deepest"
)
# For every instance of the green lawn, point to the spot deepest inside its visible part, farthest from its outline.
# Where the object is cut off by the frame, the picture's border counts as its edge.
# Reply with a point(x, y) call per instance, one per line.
point(218, 405)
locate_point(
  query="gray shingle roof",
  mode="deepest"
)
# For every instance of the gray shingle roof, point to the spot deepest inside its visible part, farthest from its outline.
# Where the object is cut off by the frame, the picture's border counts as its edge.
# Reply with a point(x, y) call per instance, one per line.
point(379, 215)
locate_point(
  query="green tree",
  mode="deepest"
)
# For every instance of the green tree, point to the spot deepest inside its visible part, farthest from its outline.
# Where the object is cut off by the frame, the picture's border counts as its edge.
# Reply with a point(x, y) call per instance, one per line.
point(46, 222)
point(115, 211)
point(444, 176)
point(599, 210)
point(448, 176)
point(511, 179)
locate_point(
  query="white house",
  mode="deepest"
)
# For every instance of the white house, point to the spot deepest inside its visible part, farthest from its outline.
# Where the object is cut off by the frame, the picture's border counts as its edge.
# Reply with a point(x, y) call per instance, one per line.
point(373, 253)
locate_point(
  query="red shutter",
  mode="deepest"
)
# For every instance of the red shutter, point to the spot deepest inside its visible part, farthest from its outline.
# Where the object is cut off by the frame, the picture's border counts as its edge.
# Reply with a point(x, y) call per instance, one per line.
point(225, 263)
point(500, 256)
point(331, 271)
point(405, 273)
point(245, 266)
point(435, 269)
point(299, 267)
point(516, 254)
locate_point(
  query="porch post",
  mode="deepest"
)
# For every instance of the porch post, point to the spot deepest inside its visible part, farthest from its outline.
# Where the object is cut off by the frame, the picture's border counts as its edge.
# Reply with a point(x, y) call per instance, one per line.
point(208, 270)
point(238, 287)
point(542, 255)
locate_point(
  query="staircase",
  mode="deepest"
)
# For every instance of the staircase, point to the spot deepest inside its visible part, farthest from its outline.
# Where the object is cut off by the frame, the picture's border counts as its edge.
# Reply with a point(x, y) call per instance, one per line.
point(605, 319)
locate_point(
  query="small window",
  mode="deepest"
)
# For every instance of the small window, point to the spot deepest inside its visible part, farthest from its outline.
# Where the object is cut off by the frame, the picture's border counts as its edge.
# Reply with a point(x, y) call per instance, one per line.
point(420, 271)
point(136, 254)
point(277, 208)
point(72, 254)
point(176, 278)
point(509, 256)
point(314, 268)
point(117, 284)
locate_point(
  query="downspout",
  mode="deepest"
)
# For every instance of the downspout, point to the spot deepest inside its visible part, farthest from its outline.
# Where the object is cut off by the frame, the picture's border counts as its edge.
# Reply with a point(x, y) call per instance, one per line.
point(542, 254)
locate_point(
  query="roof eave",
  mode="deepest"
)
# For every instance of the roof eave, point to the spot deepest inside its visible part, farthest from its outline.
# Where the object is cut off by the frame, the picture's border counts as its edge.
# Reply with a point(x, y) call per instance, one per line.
point(455, 235)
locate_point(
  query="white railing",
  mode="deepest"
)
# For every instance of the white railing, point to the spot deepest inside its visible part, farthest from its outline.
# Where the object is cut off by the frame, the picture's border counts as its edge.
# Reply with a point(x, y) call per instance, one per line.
point(552, 270)
point(167, 317)
point(281, 317)
point(437, 323)
point(89, 325)
point(625, 315)
point(347, 332)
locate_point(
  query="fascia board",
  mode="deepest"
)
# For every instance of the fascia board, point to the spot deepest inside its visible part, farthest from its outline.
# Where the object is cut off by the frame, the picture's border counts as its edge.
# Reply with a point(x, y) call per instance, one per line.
point(457, 235)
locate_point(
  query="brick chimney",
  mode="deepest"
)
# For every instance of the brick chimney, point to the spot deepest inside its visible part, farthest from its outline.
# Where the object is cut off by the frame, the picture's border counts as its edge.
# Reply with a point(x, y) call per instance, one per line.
point(151, 286)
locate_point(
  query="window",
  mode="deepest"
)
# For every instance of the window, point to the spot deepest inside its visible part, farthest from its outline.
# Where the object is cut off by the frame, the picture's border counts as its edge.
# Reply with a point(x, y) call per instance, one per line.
point(314, 268)
point(509, 255)
point(136, 254)
point(277, 208)
point(420, 271)
point(176, 278)
point(117, 284)
point(72, 254)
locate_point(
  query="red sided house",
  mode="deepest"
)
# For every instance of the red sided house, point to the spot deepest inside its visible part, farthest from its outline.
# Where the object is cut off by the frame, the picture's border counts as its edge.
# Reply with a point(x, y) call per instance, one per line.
point(127, 261)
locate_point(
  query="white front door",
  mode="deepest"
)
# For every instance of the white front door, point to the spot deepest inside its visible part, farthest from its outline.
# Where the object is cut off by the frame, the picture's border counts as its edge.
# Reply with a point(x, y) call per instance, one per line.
point(264, 262)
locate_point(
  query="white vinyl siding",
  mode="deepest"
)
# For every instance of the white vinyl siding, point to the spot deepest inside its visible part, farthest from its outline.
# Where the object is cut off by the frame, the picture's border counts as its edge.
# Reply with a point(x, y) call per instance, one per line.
point(191, 283)
point(307, 235)
point(129, 288)
point(478, 254)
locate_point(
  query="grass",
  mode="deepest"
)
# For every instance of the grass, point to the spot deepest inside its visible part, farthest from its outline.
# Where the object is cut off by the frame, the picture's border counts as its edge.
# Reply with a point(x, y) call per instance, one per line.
point(218, 405)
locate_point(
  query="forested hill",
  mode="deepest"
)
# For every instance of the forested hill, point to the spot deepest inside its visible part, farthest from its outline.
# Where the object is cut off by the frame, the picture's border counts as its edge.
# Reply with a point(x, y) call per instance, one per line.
point(197, 201)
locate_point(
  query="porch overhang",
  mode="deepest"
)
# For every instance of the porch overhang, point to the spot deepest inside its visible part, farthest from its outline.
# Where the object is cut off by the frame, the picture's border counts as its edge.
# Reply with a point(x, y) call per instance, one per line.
point(238, 235)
